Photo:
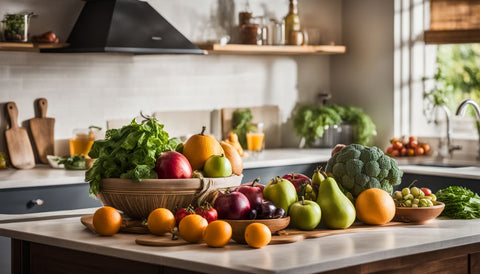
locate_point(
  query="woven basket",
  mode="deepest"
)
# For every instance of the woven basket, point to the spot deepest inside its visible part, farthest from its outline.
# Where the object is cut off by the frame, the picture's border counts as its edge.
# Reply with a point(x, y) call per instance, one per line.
point(137, 200)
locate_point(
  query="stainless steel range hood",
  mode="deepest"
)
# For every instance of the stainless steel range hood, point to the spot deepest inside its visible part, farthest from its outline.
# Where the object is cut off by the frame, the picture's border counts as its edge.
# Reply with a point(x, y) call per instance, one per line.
point(126, 26)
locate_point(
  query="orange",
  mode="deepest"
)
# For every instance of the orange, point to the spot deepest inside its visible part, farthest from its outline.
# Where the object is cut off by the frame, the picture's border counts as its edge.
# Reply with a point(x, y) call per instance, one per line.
point(107, 221)
point(191, 228)
point(257, 235)
point(375, 206)
point(199, 147)
point(217, 234)
point(160, 221)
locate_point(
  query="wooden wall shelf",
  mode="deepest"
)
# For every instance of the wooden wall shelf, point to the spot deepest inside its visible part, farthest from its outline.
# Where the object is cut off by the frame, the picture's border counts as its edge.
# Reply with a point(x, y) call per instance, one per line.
point(268, 49)
point(452, 36)
point(12, 46)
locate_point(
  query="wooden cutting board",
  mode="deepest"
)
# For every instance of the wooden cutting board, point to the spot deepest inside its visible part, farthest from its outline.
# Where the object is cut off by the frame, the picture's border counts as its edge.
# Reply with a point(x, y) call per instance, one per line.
point(268, 115)
point(19, 147)
point(128, 225)
point(42, 129)
point(323, 232)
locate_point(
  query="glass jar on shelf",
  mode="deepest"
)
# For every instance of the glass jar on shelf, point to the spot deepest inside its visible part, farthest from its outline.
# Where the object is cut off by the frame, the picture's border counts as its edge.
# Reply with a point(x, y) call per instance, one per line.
point(254, 32)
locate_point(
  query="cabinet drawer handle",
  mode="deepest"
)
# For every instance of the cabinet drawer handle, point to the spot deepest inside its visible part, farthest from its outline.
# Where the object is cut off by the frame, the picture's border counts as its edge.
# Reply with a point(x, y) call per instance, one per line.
point(34, 202)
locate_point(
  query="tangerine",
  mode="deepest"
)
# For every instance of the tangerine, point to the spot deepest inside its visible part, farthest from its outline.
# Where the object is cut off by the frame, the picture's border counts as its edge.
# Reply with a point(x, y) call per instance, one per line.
point(217, 234)
point(375, 206)
point(257, 235)
point(107, 221)
point(160, 221)
point(191, 228)
point(199, 147)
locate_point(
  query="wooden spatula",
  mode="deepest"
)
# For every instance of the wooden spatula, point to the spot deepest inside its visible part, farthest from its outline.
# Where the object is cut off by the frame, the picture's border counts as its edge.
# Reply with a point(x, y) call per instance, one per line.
point(43, 131)
point(18, 144)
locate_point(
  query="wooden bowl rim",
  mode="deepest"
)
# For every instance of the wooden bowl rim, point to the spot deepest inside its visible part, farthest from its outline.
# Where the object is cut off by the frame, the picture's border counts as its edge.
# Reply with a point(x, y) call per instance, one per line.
point(269, 221)
point(437, 205)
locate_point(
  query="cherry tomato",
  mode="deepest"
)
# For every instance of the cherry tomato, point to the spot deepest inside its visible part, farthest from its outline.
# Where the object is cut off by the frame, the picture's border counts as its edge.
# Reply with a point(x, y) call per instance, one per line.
point(419, 151)
point(397, 145)
point(207, 212)
point(426, 191)
point(182, 212)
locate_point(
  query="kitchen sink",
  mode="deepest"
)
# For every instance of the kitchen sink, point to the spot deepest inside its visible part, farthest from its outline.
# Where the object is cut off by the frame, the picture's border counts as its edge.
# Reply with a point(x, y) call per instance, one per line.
point(449, 165)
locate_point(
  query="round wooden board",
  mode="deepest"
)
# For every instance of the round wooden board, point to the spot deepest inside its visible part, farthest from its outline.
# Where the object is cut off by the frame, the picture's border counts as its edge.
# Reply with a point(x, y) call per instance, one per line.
point(128, 225)
point(153, 240)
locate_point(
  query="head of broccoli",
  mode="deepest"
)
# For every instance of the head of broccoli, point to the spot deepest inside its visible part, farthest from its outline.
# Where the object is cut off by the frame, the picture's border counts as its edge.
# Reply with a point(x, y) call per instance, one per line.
point(358, 167)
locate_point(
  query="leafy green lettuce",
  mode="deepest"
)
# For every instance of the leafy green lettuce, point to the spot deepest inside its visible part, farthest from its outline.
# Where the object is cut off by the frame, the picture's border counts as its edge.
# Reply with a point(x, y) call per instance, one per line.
point(128, 153)
point(460, 202)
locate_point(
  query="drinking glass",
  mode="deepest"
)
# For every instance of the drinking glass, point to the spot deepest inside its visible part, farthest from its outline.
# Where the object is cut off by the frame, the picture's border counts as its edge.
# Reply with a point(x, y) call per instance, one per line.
point(256, 140)
point(81, 141)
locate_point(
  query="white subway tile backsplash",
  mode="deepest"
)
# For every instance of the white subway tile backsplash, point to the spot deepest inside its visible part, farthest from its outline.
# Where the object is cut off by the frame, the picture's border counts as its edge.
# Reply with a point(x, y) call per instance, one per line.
point(91, 88)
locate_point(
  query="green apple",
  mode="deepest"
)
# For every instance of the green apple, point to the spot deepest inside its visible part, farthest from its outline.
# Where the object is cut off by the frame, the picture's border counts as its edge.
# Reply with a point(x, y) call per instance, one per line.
point(305, 214)
point(217, 166)
point(281, 192)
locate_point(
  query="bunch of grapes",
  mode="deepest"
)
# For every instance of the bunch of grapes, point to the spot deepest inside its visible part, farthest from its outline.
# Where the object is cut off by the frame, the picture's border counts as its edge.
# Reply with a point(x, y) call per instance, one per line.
point(414, 197)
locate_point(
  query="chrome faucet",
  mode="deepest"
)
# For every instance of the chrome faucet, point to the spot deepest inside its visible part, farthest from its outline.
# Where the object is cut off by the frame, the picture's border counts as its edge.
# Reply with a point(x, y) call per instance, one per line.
point(450, 147)
point(462, 107)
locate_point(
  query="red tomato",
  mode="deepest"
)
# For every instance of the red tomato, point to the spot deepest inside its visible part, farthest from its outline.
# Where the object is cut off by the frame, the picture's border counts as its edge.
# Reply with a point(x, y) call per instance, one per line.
point(419, 151)
point(182, 212)
point(397, 145)
point(426, 148)
point(412, 139)
point(403, 152)
point(426, 191)
point(207, 212)
point(395, 152)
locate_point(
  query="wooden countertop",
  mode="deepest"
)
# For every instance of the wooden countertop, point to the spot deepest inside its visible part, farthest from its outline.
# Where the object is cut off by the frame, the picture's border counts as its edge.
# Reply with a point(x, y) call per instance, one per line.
point(307, 256)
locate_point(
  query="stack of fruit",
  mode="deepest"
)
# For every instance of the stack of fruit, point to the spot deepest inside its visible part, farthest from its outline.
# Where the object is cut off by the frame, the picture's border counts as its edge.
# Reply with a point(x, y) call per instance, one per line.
point(414, 197)
point(407, 147)
point(201, 152)
point(307, 201)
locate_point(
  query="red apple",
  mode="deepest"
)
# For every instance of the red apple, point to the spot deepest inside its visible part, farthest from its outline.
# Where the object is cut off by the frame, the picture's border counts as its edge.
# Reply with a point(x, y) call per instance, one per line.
point(296, 179)
point(232, 205)
point(173, 165)
point(253, 193)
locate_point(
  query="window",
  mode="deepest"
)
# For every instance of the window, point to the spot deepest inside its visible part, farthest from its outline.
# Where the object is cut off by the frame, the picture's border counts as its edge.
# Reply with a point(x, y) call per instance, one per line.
point(451, 70)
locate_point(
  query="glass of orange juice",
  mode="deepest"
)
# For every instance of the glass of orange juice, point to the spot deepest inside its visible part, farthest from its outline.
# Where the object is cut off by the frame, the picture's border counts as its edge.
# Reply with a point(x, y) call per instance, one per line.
point(256, 140)
point(81, 142)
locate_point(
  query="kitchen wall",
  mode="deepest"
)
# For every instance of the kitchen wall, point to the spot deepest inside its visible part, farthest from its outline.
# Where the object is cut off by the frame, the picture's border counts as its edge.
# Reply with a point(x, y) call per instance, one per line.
point(89, 89)
point(364, 75)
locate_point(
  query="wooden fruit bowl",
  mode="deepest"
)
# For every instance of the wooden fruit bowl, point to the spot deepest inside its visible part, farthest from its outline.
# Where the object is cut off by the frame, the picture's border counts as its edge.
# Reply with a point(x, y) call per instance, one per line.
point(418, 215)
point(238, 226)
point(137, 200)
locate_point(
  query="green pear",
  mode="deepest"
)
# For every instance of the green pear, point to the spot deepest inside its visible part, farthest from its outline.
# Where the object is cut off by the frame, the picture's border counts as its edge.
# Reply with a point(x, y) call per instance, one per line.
point(338, 211)
point(280, 192)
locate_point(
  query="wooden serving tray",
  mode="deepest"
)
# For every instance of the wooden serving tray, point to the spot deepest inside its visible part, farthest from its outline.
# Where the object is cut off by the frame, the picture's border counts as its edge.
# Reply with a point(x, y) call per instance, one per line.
point(285, 236)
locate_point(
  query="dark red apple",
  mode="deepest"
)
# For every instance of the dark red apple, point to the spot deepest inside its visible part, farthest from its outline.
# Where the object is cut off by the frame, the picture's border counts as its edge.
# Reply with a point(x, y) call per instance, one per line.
point(253, 192)
point(296, 179)
point(232, 205)
point(173, 165)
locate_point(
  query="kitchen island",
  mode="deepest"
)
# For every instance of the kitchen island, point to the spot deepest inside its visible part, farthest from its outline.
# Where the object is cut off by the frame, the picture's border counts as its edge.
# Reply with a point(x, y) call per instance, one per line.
point(65, 245)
